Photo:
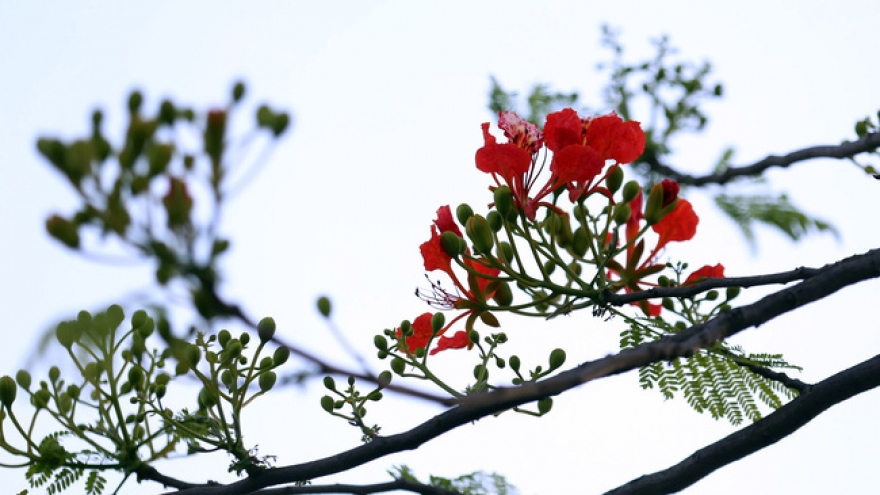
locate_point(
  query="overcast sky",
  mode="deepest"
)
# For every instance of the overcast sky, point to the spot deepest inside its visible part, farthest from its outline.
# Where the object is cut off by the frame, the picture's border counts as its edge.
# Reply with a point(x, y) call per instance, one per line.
point(387, 99)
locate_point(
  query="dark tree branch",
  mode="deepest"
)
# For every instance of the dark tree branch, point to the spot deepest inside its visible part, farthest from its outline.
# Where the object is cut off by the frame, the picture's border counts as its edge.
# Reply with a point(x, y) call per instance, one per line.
point(398, 484)
point(828, 280)
point(870, 142)
point(777, 376)
point(778, 425)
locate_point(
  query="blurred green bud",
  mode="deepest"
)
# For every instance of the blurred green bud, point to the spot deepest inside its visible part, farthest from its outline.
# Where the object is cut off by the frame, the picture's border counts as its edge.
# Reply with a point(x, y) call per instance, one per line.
point(451, 244)
point(8, 391)
point(63, 231)
point(327, 403)
point(437, 321)
point(480, 234)
point(384, 379)
point(398, 365)
point(557, 358)
point(463, 213)
point(615, 179)
point(663, 281)
point(481, 372)
point(631, 190)
point(23, 378)
point(514, 362)
point(580, 242)
point(73, 391)
point(266, 329)
point(544, 405)
point(324, 306)
point(194, 355)
point(668, 304)
point(267, 380)
point(495, 220)
point(54, 374)
point(238, 90)
point(41, 398)
point(167, 112)
point(622, 213)
point(138, 318)
point(503, 200)
point(136, 376)
point(712, 295)
point(503, 295)
point(329, 383)
point(207, 399)
point(380, 342)
point(135, 100)
point(505, 252)
point(68, 333)
point(282, 354)
point(223, 338)
point(654, 205)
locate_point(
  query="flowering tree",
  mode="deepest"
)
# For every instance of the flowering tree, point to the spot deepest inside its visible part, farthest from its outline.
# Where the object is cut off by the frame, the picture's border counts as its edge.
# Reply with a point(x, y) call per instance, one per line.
point(567, 230)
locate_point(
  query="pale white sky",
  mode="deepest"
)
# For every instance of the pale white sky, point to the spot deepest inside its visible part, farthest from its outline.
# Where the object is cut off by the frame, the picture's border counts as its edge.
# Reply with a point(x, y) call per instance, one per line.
point(387, 99)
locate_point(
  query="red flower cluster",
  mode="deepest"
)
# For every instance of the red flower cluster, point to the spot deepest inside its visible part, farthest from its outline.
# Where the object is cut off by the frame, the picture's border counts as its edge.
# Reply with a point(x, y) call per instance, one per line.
point(679, 224)
point(581, 147)
point(467, 297)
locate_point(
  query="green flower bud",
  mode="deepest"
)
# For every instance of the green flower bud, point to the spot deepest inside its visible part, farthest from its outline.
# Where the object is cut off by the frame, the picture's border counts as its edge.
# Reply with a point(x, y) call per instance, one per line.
point(135, 99)
point(614, 180)
point(267, 381)
point(266, 363)
point(544, 405)
point(207, 399)
point(557, 358)
point(73, 391)
point(64, 403)
point(329, 383)
point(384, 379)
point(663, 281)
point(712, 295)
point(630, 191)
point(244, 338)
point(480, 234)
point(451, 244)
point(580, 242)
point(489, 319)
point(135, 376)
point(654, 205)
point(732, 292)
point(324, 306)
point(398, 365)
point(505, 252)
point(481, 372)
point(380, 342)
point(8, 390)
point(437, 321)
point(226, 378)
point(622, 213)
point(282, 354)
point(503, 295)
point(668, 304)
point(266, 329)
point(68, 333)
point(162, 379)
point(223, 338)
point(463, 213)
point(194, 355)
point(514, 362)
point(503, 200)
point(495, 220)
point(41, 398)
point(238, 91)
point(549, 267)
point(327, 403)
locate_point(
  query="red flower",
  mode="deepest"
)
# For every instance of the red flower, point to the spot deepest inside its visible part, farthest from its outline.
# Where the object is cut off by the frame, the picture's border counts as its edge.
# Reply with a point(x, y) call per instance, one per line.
point(670, 191)
point(422, 333)
point(680, 224)
point(459, 340)
point(707, 271)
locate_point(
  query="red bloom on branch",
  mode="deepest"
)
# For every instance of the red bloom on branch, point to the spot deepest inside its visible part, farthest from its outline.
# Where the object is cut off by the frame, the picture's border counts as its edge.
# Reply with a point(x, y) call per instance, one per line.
point(707, 271)
point(422, 333)
point(680, 224)
point(459, 340)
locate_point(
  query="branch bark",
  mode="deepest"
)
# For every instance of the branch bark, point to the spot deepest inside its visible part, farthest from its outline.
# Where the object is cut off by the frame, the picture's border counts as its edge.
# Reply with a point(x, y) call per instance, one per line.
point(870, 142)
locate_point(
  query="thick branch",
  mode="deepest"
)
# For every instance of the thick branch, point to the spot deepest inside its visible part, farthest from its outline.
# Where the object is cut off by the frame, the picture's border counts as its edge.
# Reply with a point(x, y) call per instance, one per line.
point(828, 280)
point(870, 142)
point(778, 425)
point(396, 485)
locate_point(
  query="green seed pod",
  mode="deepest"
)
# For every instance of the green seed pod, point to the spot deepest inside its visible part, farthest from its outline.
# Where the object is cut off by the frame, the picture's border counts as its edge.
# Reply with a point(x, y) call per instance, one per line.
point(223, 338)
point(266, 329)
point(327, 403)
point(281, 355)
point(495, 220)
point(437, 321)
point(622, 213)
point(480, 234)
point(614, 180)
point(398, 365)
point(267, 381)
point(544, 405)
point(329, 383)
point(463, 213)
point(451, 244)
point(503, 295)
point(8, 390)
point(557, 358)
point(732, 292)
point(23, 378)
point(324, 306)
point(630, 191)
point(668, 304)
point(503, 200)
